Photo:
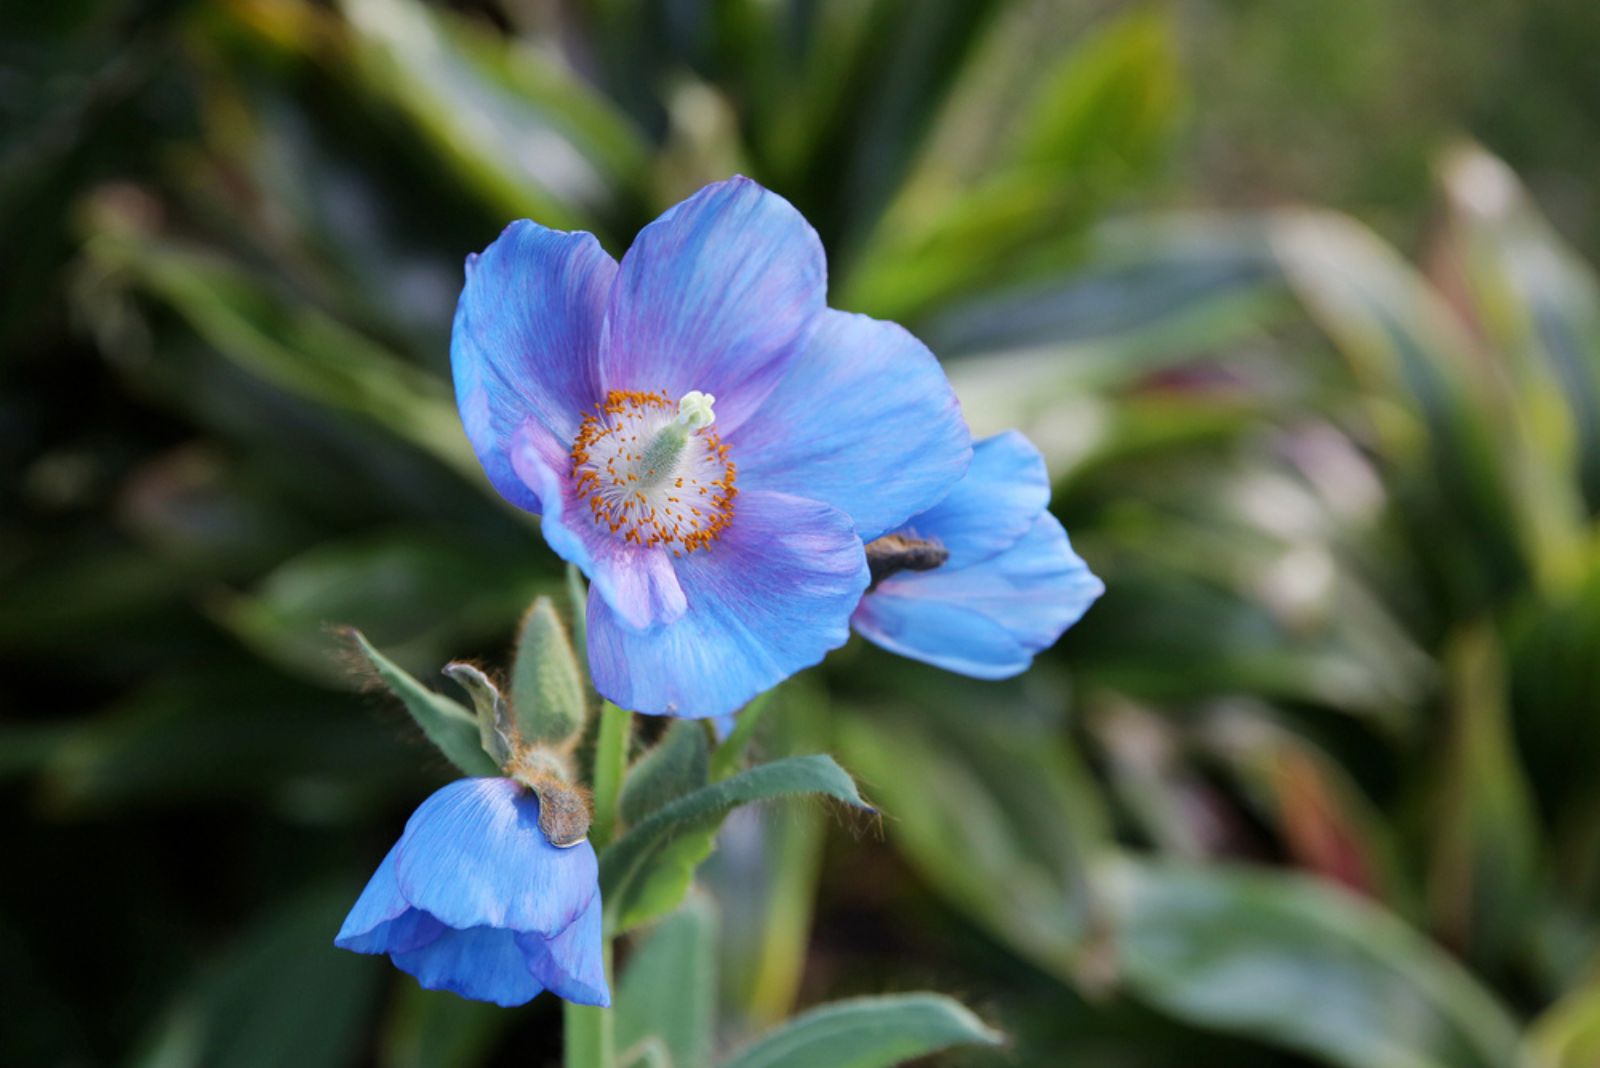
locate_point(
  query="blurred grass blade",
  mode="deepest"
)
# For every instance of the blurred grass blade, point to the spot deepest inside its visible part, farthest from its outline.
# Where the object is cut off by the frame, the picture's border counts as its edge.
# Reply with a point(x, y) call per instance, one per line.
point(1440, 410)
point(1300, 965)
point(281, 995)
point(868, 1033)
point(668, 992)
point(520, 130)
point(427, 1028)
point(295, 347)
point(1566, 1035)
point(1486, 833)
point(1096, 118)
point(1002, 822)
point(1537, 302)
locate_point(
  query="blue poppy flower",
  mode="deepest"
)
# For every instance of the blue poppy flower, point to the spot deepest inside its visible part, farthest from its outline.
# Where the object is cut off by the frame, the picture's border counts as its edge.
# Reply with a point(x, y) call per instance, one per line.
point(473, 899)
point(984, 579)
point(702, 435)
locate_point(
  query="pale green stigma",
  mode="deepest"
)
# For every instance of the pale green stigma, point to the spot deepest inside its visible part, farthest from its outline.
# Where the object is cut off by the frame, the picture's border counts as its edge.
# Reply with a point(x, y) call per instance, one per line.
point(661, 456)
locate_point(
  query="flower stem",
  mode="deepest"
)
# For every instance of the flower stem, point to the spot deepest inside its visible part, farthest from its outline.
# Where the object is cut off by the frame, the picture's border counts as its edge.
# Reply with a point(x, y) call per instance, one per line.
point(610, 761)
point(726, 757)
point(590, 1041)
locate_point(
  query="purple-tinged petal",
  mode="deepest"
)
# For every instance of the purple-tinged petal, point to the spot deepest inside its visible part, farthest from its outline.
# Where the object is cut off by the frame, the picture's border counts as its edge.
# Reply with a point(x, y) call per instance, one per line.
point(716, 295)
point(572, 964)
point(999, 499)
point(526, 341)
point(473, 856)
point(987, 620)
point(771, 596)
point(864, 420)
point(382, 920)
point(481, 963)
point(638, 582)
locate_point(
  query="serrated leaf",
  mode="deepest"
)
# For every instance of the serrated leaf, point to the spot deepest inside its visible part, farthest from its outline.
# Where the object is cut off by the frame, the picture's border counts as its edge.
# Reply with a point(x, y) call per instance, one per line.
point(868, 1033)
point(644, 873)
point(446, 724)
point(668, 992)
point(677, 764)
point(546, 683)
point(1300, 964)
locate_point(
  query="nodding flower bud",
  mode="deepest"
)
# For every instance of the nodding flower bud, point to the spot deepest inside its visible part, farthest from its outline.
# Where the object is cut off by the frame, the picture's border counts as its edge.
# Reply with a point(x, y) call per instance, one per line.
point(564, 808)
point(894, 553)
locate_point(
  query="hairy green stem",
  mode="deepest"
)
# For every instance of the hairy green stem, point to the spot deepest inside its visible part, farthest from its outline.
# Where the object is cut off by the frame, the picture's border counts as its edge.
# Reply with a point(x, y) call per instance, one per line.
point(610, 761)
point(590, 1039)
point(726, 757)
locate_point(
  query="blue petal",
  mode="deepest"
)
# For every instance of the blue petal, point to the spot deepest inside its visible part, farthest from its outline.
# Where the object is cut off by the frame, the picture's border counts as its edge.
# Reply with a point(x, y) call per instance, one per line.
point(572, 964)
point(718, 294)
point(1003, 493)
point(771, 596)
point(526, 342)
point(382, 920)
point(482, 963)
point(865, 420)
point(638, 582)
point(987, 620)
point(473, 856)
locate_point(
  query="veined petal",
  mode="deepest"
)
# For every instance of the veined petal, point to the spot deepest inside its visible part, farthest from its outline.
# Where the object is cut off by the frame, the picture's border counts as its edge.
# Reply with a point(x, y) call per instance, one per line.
point(987, 620)
point(638, 582)
point(526, 341)
point(864, 420)
point(998, 501)
point(480, 963)
point(716, 295)
point(382, 920)
point(473, 856)
point(571, 965)
point(770, 597)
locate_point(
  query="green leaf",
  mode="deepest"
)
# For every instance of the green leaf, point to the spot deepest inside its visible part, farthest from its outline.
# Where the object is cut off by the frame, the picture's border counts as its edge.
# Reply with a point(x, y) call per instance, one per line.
point(1483, 879)
point(1000, 819)
point(494, 718)
point(447, 725)
point(1300, 964)
point(1441, 412)
point(519, 129)
point(1091, 124)
point(1566, 1035)
point(668, 993)
point(1539, 303)
point(675, 766)
point(432, 1027)
point(546, 683)
point(645, 873)
point(868, 1033)
point(282, 994)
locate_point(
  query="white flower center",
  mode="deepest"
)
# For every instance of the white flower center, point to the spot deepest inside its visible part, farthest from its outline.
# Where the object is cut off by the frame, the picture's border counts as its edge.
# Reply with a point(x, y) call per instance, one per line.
point(654, 473)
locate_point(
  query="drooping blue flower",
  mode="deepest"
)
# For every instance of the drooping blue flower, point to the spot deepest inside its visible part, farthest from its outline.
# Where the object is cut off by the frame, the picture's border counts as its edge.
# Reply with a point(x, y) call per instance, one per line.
point(984, 579)
point(702, 435)
point(473, 899)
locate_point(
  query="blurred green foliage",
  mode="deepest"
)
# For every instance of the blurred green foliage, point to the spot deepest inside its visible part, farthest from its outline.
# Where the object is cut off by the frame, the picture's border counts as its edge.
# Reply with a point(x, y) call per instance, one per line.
point(1313, 784)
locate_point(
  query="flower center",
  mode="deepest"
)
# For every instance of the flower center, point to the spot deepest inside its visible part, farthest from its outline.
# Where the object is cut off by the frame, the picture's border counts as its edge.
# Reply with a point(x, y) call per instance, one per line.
point(654, 472)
